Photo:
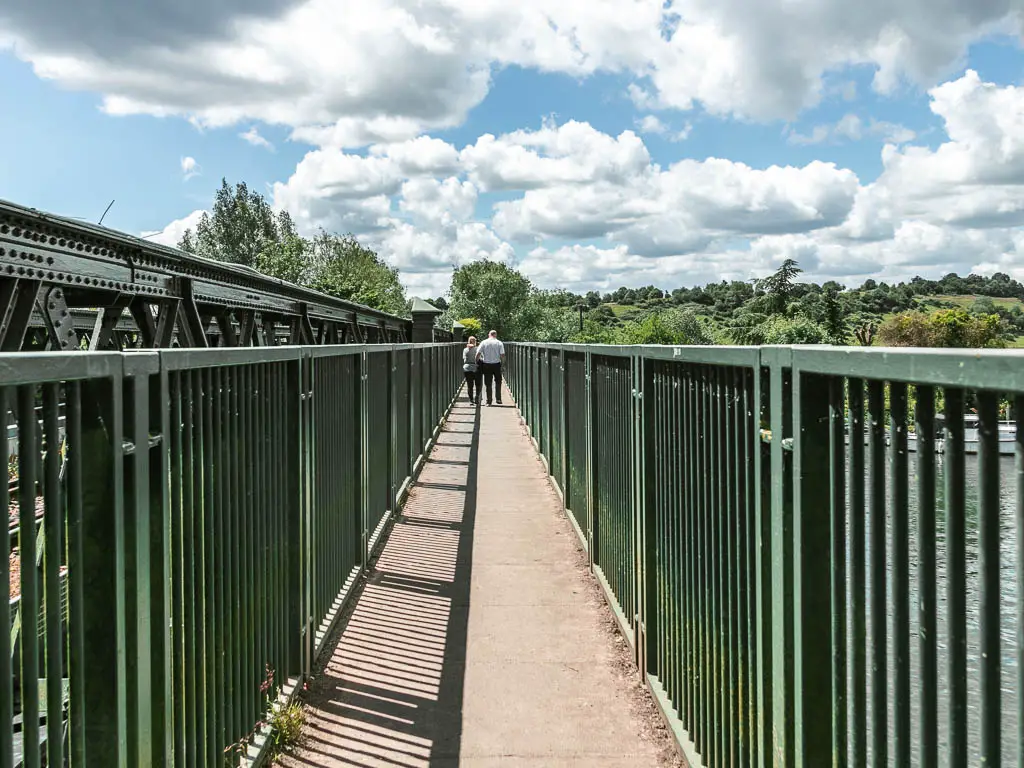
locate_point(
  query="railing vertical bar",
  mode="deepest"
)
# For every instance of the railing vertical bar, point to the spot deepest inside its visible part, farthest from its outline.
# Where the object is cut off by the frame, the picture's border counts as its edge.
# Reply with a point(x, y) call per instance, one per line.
point(733, 720)
point(232, 559)
point(674, 513)
point(700, 542)
point(956, 577)
point(225, 540)
point(877, 575)
point(6, 665)
point(192, 727)
point(1018, 409)
point(837, 513)
point(695, 596)
point(237, 571)
point(53, 524)
point(744, 677)
point(28, 475)
point(76, 589)
point(858, 629)
point(924, 428)
point(900, 516)
point(257, 504)
point(988, 572)
point(214, 689)
point(759, 411)
point(200, 469)
point(718, 512)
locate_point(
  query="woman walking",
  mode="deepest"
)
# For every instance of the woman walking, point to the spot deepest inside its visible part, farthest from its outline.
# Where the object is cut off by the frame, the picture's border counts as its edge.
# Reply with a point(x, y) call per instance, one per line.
point(471, 370)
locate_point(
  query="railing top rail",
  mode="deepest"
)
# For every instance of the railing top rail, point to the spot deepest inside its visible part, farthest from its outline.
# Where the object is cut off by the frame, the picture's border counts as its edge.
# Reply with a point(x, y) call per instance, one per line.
point(998, 369)
point(38, 367)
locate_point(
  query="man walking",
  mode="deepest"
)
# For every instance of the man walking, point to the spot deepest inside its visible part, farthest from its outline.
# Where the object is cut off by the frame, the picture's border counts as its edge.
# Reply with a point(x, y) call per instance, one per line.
point(490, 354)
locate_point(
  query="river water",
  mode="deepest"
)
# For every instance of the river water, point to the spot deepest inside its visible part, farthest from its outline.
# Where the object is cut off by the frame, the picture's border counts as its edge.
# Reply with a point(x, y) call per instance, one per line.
point(1008, 606)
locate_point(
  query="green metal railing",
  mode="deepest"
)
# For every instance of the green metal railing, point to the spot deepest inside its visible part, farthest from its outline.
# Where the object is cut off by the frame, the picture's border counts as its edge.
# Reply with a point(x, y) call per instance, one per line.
point(212, 513)
point(811, 567)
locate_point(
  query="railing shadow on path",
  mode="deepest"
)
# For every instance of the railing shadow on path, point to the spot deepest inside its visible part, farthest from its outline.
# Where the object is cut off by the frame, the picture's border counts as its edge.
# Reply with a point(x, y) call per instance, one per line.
point(391, 692)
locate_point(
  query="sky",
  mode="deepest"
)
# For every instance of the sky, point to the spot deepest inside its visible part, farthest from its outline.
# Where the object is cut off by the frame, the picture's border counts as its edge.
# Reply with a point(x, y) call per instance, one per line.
point(589, 143)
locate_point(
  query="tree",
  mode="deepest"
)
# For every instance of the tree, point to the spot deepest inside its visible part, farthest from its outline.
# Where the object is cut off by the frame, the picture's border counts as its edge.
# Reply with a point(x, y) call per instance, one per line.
point(833, 318)
point(778, 287)
point(341, 266)
point(287, 260)
point(440, 303)
point(497, 294)
point(241, 226)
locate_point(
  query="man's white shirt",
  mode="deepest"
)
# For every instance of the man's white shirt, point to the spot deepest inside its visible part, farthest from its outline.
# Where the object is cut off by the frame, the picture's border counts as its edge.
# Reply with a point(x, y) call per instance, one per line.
point(491, 351)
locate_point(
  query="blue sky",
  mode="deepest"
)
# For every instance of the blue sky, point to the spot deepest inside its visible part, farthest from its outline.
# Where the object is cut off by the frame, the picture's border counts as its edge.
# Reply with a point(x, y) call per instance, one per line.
point(620, 154)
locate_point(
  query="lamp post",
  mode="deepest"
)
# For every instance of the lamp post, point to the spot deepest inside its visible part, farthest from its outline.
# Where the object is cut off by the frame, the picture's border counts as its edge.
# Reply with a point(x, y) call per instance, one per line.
point(580, 307)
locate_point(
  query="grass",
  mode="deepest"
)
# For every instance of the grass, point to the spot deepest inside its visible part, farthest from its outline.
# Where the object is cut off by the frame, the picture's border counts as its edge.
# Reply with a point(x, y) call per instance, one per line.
point(967, 301)
point(286, 722)
point(621, 309)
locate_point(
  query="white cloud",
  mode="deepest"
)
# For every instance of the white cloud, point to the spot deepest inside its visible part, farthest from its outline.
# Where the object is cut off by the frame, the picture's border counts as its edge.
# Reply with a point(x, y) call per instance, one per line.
point(652, 124)
point(253, 137)
point(573, 152)
point(189, 168)
point(386, 70)
point(590, 209)
point(171, 234)
point(850, 127)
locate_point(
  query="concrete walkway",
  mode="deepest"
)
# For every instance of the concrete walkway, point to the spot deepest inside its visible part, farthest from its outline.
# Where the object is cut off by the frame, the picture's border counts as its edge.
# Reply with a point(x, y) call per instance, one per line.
point(478, 640)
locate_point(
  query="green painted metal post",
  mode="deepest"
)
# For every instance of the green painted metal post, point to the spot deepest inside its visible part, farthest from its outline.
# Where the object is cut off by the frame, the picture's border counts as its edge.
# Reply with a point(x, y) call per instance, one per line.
point(588, 438)
point(102, 569)
point(781, 561)
point(296, 463)
point(812, 609)
point(364, 450)
point(639, 517)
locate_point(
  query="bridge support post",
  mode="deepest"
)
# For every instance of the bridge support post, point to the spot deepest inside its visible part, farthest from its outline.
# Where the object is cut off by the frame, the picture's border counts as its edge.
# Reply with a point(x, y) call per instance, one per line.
point(423, 315)
point(814, 507)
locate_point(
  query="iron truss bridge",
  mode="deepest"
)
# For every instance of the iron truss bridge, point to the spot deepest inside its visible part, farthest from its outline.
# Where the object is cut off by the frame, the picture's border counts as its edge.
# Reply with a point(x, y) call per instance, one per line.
point(67, 285)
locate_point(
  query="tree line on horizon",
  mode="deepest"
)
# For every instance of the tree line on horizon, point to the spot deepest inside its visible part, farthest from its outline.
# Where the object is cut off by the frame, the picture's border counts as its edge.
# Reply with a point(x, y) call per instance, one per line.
point(243, 228)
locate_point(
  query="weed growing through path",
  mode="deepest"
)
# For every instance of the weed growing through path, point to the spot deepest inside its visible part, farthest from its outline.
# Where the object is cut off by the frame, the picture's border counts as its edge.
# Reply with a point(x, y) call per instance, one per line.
point(285, 721)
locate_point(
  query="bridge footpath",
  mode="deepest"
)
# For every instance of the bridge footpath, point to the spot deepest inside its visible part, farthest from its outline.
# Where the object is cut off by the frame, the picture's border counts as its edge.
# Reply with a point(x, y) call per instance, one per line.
point(477, 639)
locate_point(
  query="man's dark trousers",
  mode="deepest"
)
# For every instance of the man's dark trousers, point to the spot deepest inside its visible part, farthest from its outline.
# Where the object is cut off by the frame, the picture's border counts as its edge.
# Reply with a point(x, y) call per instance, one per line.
point(492, 379)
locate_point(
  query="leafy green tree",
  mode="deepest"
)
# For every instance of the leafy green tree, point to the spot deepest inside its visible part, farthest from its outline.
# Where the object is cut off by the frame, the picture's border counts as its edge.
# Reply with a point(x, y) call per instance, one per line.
point(240, 227)
point(779, 287)
point(498, 295)
point(339, 265)
point(833, 318)
point(472, 325)
point(287, 260)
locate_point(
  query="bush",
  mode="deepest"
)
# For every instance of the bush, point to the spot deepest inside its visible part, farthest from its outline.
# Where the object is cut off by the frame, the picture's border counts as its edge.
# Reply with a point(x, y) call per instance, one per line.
point(943, 328)
point(473, 326)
